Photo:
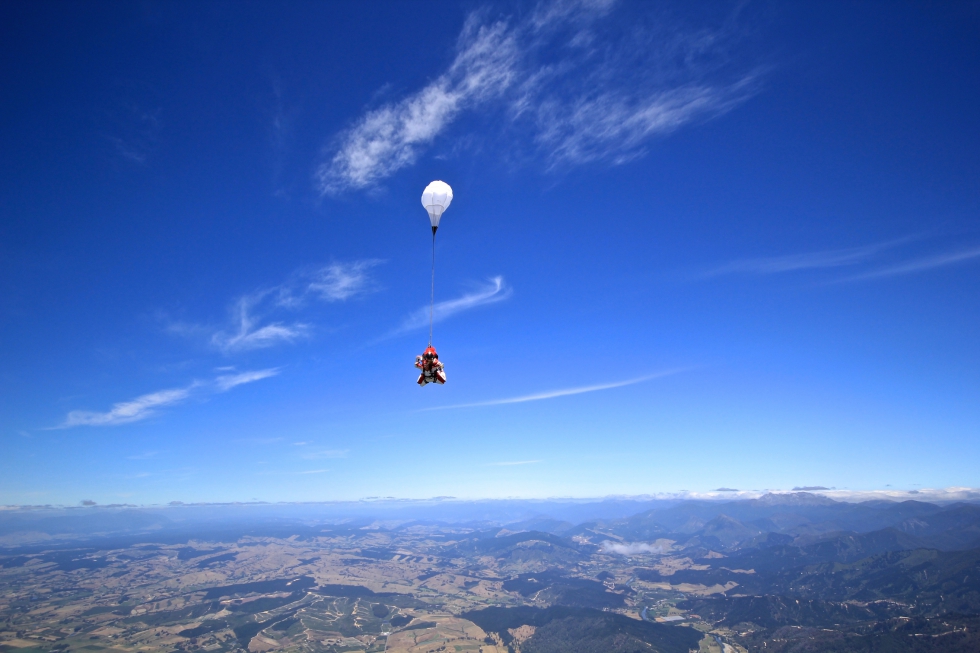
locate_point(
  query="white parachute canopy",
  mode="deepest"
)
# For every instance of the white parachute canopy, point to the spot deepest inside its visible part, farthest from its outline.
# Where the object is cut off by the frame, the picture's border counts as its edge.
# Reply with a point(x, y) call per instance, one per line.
point(436, 198)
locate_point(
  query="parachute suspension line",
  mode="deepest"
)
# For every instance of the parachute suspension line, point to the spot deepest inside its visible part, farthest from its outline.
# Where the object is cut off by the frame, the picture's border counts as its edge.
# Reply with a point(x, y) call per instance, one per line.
point(432, 301)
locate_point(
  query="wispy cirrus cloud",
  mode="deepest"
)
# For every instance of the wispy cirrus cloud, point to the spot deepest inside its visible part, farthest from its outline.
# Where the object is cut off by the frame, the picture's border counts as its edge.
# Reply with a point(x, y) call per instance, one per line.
point(919, 264)
point(391, 137)
point(226, 382)
point(549, 14)
point(148, 405)
point(257, 318)
point(872, 258)
point(340, 281)
point(616, 126)
point(495, 290)
point(818, 260)
point(134, 130)
point(564, 392)
point(251, 334)
point(134, 410)
point(577, 88)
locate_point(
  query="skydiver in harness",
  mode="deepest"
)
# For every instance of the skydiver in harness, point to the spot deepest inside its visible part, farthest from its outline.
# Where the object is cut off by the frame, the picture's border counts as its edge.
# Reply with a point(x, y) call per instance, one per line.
point(432, 370)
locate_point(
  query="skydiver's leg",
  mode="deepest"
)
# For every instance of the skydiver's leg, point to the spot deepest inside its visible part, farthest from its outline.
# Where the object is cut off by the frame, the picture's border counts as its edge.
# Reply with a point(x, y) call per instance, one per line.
point(440, 377)
point(422, 380)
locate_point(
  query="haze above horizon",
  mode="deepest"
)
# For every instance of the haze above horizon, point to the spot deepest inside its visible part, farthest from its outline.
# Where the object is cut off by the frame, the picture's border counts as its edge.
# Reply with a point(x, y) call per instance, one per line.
point(691, 251)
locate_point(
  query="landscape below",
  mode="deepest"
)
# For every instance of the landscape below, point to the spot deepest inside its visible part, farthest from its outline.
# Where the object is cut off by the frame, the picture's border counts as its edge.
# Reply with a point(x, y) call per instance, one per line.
point(783, 572)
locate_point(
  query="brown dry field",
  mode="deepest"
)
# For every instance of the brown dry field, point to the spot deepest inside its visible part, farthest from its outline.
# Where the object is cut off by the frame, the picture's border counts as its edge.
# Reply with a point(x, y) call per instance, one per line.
point(155, 597)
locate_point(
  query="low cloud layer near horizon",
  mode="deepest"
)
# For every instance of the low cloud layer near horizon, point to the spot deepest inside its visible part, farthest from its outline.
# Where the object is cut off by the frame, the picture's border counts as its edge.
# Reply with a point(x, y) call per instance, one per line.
point(933, 495)
point(629, 548)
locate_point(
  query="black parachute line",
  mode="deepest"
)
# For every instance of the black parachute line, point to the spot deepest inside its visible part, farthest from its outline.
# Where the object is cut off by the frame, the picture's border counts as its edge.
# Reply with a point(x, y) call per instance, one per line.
point(432, 299)
point(435, 199)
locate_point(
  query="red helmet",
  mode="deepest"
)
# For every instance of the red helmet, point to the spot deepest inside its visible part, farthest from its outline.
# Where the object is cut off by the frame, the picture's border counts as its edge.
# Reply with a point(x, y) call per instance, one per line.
point(430, 352)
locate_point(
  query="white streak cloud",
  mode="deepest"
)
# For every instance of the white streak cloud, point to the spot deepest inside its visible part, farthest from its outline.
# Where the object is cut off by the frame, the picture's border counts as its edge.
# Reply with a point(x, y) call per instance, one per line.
point(148, 405)
point(863, 257)
point(129, 411)
point(494, 291)
point(571, 86)
point(833, 258)
point(920, 265)
point(553, 394)
point(226, 382)
point(548, 14)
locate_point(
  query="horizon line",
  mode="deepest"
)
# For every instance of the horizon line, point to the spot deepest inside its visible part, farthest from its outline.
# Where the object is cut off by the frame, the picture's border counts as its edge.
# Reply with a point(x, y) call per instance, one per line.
point(954, 493)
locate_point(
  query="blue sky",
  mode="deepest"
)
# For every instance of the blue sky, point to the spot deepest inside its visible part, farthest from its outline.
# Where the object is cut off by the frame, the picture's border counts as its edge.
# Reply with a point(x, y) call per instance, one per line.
point(734, 246)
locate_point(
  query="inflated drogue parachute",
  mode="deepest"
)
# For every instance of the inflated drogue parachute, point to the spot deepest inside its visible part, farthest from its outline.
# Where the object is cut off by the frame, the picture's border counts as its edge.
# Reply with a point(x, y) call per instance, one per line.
point(436, 198)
